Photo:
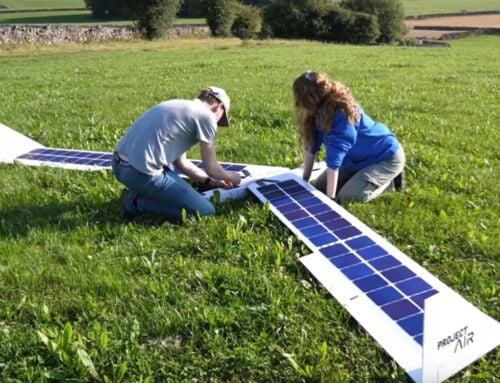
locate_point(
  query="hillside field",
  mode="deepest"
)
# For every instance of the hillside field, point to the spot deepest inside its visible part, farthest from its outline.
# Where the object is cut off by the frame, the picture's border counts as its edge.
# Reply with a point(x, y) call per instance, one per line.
point(42, 4)
point(426, 7)
point(86, 297)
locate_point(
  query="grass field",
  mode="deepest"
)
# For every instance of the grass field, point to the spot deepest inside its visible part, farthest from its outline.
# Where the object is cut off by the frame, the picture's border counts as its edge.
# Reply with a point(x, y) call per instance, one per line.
point(224, 299)
point(42, 4)
point(425, 7)
point(70, 17)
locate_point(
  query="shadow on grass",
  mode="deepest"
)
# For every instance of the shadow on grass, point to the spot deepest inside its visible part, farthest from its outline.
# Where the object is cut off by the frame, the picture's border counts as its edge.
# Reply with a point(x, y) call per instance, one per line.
point(67, 216)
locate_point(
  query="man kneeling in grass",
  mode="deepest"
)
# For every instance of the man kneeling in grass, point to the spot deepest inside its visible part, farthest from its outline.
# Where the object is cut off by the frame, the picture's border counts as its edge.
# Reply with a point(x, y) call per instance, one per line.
point(157, 141)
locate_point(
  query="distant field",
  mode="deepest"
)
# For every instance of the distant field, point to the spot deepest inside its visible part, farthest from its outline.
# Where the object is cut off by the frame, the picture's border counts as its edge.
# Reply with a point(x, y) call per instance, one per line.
point(424, 7)
point(70, 17)
point(42, 4)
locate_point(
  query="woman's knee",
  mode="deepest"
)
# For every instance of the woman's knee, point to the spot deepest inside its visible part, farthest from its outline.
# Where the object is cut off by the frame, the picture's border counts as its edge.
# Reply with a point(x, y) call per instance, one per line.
point(360, 195)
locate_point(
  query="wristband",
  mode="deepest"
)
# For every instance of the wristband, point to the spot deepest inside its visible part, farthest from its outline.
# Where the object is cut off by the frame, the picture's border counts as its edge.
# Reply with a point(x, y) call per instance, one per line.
point(207, 181)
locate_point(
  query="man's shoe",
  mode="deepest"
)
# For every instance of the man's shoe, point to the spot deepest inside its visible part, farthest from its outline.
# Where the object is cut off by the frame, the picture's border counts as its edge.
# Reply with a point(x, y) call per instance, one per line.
point(400, 182)
point(127, 205)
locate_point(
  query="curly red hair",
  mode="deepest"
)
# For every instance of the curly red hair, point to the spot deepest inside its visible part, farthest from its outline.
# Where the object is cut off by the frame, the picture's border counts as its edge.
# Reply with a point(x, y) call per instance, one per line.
point(317, 98)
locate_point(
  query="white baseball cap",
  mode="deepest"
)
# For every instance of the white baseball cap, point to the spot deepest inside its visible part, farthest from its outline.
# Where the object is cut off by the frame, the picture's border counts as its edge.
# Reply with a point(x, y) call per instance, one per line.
point(221, 95)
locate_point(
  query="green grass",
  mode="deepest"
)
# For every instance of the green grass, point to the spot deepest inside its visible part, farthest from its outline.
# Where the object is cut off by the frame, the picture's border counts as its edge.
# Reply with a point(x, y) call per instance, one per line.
point(70, 17)
point(425, 7)
point(225, 298)
point(42, 4)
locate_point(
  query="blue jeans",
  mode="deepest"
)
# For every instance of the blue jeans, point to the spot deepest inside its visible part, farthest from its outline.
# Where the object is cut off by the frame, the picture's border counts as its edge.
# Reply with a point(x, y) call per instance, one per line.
point(166, 194)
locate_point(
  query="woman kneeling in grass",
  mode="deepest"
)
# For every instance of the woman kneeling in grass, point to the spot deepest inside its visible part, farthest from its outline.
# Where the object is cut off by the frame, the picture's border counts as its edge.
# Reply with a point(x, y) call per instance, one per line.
point(363, 157)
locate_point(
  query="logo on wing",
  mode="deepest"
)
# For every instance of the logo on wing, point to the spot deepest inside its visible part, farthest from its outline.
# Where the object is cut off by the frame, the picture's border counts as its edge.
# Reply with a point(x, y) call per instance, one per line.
point(460, 339)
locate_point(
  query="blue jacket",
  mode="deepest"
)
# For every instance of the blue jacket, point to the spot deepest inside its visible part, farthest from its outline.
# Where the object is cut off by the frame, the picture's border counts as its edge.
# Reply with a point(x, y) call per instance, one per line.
point(355, 146)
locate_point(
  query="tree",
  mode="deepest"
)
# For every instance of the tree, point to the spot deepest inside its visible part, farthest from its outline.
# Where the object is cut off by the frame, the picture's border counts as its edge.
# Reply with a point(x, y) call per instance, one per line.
point(220, 15)
point(351, 27)
point(298, 18)
point(247, 21)
point(390, 16)
point(156, 16)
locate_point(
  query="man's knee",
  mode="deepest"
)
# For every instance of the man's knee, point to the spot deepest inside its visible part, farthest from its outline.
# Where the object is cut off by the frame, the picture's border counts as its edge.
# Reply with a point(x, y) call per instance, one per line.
point(206, 209)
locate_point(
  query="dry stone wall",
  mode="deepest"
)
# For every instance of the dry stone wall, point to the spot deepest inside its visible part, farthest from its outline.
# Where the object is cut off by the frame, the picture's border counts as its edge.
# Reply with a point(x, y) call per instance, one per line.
point(56, 34)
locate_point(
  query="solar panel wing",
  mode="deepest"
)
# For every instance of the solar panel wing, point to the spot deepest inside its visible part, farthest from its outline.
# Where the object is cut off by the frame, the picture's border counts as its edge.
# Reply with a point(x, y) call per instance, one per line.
point(88, 160)
point(91, 160)
point(380, 286)
point(67, 158)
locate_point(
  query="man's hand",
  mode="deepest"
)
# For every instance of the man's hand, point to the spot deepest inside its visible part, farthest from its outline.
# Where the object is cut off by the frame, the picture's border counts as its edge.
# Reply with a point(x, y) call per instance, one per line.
point(234, 178)
point(221, 184)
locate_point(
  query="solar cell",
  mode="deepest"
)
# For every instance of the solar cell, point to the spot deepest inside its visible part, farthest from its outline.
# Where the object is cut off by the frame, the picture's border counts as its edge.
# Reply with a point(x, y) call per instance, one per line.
point(317, 209)
point(295, 214)
point(398, 274)
point(305, 222)
point(413, 286)
point(420, 298)
point(334, 250)
point(385, 295)
point(345, 260)
point(357, 271)
point(327, 216)
point(413, 325)
point(372, 252)
point(323, 239)
point(347, 232)
point(313, 230)
point(384, 263)
point(370, 283)
point(400, 309)
point(337, 223)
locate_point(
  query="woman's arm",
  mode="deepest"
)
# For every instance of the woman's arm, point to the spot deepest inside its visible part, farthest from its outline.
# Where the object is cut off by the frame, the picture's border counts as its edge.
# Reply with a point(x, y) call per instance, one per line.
point(308, 164)
point(332, 177)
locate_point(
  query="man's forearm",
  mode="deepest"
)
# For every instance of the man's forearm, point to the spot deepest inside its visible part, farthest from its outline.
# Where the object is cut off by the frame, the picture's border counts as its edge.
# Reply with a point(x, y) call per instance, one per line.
point(191, 170)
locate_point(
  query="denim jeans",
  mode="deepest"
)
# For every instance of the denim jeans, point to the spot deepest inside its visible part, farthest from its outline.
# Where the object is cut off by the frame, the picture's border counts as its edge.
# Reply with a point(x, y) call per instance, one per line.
point(166, 194)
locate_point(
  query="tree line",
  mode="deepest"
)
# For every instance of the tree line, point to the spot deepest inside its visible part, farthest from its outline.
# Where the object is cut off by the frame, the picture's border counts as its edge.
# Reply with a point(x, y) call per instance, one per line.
point(348, 21)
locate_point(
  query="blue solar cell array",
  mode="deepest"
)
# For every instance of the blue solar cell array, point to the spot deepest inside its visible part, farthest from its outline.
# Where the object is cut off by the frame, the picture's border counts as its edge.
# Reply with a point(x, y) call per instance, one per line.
point(397, 290)
point(226, 165)
point(66, 156)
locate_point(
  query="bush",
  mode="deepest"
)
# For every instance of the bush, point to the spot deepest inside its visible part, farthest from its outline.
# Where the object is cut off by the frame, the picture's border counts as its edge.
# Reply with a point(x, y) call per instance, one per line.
point(351, 27)
point(390, 16)
point(220, 15)
point(298, 18)
point(156, 16)
point(248, 21)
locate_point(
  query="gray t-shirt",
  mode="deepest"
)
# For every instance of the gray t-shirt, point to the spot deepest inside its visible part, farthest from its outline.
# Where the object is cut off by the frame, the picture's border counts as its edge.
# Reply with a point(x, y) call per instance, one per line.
point(166, 131)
